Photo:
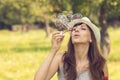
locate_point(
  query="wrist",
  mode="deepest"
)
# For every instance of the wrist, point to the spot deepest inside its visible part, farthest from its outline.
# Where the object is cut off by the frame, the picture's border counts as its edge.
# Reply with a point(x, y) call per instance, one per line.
point(53, 50)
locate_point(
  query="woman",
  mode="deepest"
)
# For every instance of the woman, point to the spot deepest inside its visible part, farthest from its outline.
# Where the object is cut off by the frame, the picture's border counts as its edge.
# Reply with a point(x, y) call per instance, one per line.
point(82, 60)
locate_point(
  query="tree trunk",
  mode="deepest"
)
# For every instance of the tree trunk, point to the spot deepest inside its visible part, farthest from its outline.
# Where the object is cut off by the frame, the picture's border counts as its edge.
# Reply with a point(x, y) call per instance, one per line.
point(25, 27)
point(105, 41)
point(47, 27)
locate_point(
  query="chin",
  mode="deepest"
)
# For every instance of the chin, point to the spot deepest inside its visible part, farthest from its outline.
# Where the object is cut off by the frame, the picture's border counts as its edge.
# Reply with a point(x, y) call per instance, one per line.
point(76, 42)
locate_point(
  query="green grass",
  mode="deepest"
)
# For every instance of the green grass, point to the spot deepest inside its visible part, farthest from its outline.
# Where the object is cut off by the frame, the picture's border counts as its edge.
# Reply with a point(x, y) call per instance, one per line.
point(21, 54)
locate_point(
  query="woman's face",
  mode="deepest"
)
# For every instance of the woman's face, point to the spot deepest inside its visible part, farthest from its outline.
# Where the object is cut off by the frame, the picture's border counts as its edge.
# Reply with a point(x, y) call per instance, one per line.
point(81, 34)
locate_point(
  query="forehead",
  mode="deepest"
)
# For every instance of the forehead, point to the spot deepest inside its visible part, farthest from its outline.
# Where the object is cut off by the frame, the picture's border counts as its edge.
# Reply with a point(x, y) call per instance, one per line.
point(81, 25)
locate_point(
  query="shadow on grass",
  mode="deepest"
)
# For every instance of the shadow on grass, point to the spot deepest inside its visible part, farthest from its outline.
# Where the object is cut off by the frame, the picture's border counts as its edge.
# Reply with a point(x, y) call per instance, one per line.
point(31, 49)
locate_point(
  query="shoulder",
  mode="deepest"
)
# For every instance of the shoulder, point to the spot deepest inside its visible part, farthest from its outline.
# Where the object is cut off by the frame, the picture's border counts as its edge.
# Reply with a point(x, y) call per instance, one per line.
point(59, 58)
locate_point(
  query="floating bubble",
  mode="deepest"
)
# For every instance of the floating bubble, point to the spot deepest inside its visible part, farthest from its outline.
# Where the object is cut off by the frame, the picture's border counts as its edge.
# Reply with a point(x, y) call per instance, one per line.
point(62, 21)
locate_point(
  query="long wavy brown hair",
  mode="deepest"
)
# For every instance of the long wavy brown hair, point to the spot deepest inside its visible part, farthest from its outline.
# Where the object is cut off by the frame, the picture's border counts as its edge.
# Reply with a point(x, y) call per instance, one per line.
point(96, 60)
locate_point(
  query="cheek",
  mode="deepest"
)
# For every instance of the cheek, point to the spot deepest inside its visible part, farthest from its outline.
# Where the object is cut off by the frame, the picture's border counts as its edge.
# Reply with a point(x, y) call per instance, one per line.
point(86, 37)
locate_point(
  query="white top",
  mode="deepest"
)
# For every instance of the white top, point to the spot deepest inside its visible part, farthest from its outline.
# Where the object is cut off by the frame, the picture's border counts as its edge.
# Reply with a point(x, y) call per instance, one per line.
point(81, 76)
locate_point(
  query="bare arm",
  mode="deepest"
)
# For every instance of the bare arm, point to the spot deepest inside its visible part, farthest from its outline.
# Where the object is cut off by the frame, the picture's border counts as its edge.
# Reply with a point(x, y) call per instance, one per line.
point(54, 66)
point(42, 72)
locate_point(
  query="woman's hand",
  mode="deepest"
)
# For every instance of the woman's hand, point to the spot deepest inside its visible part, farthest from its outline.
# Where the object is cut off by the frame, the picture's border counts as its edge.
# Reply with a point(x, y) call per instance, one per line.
point(51, 63)
point(57, 38)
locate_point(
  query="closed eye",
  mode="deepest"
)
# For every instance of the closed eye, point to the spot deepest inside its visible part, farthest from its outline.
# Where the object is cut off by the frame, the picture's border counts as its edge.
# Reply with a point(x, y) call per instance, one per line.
point(83, 28)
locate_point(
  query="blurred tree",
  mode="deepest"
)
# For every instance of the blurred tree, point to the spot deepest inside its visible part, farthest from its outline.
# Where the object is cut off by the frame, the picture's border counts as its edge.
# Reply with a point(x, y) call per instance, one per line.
point(100, 10)
point(113, 16)
point(107, 7)
point(105, 42)
point(29, 11)
point(15, 12)
point(60, 6)
point(42, 12)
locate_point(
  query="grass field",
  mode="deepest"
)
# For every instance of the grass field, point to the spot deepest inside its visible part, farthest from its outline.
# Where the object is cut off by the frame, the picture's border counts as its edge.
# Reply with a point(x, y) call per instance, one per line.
point(21, 54)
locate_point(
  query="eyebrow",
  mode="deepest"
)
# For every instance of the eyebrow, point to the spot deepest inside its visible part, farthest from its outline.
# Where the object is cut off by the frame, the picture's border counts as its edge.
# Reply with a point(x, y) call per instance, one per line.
point(82, 25)
point(77, 24)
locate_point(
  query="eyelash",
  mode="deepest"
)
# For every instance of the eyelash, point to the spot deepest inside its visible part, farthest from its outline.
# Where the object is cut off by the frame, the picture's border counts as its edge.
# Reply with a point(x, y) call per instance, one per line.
point(83, 28)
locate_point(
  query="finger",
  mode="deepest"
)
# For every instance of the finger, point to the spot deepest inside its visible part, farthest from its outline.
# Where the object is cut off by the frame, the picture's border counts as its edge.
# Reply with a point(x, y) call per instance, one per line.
point(57, 32)
point(59, 38)
point(57, 35)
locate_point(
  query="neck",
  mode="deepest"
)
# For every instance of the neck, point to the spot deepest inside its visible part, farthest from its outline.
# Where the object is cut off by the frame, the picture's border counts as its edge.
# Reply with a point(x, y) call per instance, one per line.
point(81, 52)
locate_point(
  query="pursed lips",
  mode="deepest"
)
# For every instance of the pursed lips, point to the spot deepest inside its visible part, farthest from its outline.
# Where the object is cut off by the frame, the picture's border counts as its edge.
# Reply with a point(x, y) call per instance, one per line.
point(76, 35)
